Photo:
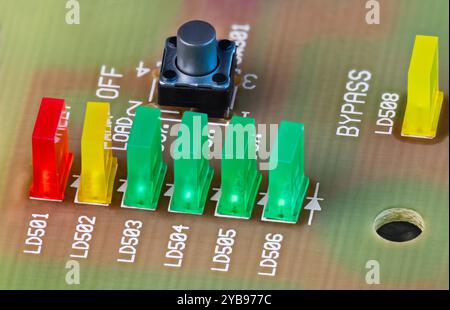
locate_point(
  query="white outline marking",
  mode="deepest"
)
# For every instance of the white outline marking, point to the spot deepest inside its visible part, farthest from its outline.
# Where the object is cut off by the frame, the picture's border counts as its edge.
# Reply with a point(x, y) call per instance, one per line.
point(152, 90)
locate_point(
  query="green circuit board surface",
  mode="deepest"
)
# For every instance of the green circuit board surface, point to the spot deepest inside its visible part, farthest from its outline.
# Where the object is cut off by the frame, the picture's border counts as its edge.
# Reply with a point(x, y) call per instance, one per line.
point(295, 60)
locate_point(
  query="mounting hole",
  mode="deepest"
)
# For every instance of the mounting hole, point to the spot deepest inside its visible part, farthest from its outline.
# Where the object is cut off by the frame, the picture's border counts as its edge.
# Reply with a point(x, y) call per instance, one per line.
point(219, 78)
point(399, 224)
point(225, 44)
point(172, 41)
point(170, 74)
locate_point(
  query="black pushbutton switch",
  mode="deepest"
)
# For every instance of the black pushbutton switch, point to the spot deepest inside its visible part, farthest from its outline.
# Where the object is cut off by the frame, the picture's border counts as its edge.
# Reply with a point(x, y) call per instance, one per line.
point(196, 48)
point(197, 71)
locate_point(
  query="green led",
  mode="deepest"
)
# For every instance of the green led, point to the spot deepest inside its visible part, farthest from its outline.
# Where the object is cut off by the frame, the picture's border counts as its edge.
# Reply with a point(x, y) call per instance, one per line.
point(240, 177)
point(287, 182)
point(192, 173)
point(145, 166)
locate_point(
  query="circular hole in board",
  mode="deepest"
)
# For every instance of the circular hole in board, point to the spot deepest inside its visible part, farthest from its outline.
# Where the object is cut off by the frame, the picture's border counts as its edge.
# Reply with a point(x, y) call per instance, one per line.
point(399, 224)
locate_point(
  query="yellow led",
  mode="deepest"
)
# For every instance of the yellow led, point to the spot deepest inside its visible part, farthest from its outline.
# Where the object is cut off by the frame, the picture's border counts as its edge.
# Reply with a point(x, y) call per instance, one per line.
point(98, 166)
point(424, 100)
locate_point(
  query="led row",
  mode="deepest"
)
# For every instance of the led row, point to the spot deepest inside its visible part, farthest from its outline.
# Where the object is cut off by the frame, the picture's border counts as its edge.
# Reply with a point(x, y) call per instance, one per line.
point(240, 178)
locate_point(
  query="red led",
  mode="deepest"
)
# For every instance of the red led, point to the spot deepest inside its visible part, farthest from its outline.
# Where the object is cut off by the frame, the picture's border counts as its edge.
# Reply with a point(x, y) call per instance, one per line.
point(51, 157)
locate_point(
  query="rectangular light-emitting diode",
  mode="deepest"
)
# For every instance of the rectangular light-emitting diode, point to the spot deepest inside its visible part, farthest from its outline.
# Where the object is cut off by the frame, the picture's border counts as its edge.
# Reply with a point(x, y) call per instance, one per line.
point(287, 181)
point(98, 166)
point(51, 157)
point(145, 166)
point(424, 100)
point(192, 172)
point(240, 176)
